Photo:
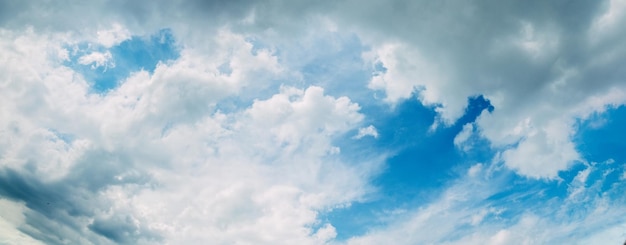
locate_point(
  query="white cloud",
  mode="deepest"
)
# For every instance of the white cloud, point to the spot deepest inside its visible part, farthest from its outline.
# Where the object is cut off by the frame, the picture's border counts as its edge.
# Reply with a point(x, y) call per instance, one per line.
point(367, 131)
point(526, 66)
point(542, 121)
point(468, 212)
point(154, 160)
point(460, 140)
point(606, 23)
point(113, 36)
point(224, 189)
point(156, 156)
point(97, 59)
point(432, 223)
point(540, 155)
point(536, 45)
point(408, 71)
point(11, 217)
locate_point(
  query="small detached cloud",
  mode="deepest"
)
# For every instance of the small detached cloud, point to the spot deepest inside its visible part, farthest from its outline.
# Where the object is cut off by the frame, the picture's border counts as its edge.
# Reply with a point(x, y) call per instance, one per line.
point(367, 131)
point(97, 59)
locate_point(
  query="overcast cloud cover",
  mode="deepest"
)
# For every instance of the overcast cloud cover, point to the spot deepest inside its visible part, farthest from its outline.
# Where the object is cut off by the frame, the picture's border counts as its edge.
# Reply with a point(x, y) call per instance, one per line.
point(312, 122)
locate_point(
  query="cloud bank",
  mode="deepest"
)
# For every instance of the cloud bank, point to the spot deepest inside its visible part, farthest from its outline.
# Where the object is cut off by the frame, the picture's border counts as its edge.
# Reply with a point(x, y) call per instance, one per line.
point(236, 122)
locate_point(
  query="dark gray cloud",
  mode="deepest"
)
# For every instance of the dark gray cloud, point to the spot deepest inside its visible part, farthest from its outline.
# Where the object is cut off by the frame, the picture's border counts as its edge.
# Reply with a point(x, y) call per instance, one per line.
point(122, 229)
point(59, 210)
point(52, 207)
point(141, 17)
point(8, 9)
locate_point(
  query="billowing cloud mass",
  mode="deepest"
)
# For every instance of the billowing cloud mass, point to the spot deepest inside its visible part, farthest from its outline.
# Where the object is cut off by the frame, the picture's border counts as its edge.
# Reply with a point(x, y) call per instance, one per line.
point(328, 122)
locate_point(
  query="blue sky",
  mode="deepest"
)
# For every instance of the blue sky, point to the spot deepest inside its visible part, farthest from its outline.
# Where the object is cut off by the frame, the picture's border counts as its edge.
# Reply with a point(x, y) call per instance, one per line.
point(335, 122)
point(131, 55)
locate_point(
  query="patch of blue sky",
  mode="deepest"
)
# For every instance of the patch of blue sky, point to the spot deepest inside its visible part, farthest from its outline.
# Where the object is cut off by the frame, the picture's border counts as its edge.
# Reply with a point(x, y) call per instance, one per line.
point(604, 147)
point(67, 138)
point(422, 161)
point(572, 196)
point(520, 194)
point(424, 158)
point(602, 136)
point(135, 54)
point(601, 146)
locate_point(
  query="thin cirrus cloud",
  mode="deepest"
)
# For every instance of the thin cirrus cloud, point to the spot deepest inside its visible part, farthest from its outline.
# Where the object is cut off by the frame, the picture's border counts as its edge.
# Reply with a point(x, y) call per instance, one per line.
point(335, 122)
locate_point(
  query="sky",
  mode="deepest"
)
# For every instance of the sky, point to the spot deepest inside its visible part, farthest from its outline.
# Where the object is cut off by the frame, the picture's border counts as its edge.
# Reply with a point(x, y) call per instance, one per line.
point(312, 122)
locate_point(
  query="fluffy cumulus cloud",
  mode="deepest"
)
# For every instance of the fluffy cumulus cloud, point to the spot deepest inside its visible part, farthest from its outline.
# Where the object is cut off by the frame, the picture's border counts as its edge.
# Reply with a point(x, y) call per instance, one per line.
point(154, 159)
point(540, 69)
point(245, 122)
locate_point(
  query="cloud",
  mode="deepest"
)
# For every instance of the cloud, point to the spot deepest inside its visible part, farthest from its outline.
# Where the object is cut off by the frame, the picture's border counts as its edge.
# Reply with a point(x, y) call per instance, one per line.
point(367, 131)
point(529, 66)
point(461, 138)
point(234, 138)
point(155, 160)
point(475, 209)
point(97, 59)
point(113, 36)
point(229, 189)
point(12, 217)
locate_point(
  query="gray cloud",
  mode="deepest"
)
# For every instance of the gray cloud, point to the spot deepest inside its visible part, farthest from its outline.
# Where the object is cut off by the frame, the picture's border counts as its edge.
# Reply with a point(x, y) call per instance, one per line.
point(122, 229)
point(59, 210)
